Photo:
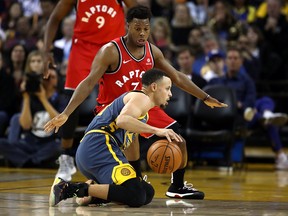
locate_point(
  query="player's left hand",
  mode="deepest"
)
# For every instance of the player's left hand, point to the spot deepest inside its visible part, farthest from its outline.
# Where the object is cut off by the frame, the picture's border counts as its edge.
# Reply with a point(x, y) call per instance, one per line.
point(212, 102)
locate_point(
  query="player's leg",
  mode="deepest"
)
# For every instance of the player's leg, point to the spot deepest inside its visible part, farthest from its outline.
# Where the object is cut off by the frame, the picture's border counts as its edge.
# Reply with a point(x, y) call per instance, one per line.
point(117, 179)
point(178, 188)
point(66, 159)
point(133, 155)
point(80, 59)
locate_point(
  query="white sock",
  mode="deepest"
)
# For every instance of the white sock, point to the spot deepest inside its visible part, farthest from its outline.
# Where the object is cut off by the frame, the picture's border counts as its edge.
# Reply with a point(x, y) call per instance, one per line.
point(268, 114)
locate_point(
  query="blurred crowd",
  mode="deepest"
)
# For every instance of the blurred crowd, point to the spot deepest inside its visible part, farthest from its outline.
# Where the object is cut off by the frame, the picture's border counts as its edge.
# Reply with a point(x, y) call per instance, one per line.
point(204, 29)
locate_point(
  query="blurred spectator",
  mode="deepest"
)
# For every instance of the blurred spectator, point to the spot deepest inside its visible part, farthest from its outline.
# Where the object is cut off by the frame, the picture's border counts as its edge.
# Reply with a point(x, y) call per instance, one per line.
point(194, 41)
point(181, 25)
point(209, 42)
point(7, 97)
point(252, 64)
point(257, 113)
point(214, 66)
point(162, 8)
point(22, 35)
point(243, 11)
point(41, 102)
point(63, 45)
point(222, 22)
point(40, 21)
point(269, 61)
point(9, 21)
point(198, 11)
point(274, 27)
point(262, 9)
point(185, 60)
point(30, 7)
point(16, 63)
point(161, 35)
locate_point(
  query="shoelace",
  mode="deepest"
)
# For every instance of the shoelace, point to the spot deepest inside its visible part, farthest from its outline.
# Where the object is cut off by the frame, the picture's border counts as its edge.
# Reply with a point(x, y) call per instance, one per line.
point(189, 186)
point(67, 191)
point(145, 178)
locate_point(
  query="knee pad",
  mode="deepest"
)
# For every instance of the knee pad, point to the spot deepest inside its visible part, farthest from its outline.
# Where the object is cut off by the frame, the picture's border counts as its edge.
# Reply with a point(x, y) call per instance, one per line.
point(149, 192)
point(136, 193)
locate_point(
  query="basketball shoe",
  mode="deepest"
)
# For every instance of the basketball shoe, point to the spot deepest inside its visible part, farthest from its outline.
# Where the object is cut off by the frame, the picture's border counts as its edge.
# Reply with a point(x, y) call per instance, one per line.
point(66, 167)
point(185, 192)
point(62, 190)
point(282, 162)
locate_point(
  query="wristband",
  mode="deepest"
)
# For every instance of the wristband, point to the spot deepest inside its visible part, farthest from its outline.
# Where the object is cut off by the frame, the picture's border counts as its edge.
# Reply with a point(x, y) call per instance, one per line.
point(206, 98)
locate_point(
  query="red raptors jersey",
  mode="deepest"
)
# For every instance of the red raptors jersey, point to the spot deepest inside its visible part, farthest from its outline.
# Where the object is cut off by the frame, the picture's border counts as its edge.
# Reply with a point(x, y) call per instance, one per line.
point(99, 21)
point(128, 74)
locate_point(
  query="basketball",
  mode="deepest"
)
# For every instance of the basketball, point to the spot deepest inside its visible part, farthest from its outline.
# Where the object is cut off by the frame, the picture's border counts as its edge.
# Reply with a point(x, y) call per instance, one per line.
point(164, 157)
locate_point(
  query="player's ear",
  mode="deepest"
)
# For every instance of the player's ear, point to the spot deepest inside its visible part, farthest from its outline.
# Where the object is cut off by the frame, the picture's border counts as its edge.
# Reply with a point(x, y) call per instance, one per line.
point(154, 86)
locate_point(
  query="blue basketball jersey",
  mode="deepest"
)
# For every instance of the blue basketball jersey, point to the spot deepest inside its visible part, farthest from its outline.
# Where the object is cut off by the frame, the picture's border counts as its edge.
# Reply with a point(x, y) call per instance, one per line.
point(105, 122)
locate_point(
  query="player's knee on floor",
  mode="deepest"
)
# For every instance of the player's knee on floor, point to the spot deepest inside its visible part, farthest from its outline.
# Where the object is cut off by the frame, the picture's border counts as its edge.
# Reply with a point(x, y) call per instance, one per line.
point(149, 192)
point(136, 193)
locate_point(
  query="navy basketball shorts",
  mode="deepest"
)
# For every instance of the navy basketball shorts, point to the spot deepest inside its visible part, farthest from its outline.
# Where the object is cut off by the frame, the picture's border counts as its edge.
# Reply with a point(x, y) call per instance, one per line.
point(98, 157)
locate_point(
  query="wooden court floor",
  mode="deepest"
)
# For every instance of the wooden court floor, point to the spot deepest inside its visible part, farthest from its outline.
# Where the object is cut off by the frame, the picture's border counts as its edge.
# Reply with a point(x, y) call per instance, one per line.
point(256, 190)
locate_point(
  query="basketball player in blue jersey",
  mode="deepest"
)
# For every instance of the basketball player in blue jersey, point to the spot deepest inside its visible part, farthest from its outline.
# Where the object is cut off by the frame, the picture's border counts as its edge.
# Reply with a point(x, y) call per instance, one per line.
point(99, 156)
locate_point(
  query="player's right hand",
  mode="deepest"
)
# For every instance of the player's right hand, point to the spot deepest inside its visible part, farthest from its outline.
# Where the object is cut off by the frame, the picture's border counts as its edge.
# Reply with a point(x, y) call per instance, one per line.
point(55, 123)
point(48, 65)
point(169, 134)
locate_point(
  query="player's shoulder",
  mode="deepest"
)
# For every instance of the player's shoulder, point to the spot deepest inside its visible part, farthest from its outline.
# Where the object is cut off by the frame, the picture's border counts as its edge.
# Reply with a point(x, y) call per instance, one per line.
point(109, 49)
point(137, 96)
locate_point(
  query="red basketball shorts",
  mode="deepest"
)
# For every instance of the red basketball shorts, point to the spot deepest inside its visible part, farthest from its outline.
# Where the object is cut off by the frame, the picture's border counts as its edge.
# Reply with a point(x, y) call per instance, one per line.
point(80, 60)
point(158, 118)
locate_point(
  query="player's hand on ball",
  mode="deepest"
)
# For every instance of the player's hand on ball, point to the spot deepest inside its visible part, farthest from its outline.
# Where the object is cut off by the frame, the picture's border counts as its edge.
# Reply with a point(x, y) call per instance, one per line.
point(169, 134)
point(56, 123)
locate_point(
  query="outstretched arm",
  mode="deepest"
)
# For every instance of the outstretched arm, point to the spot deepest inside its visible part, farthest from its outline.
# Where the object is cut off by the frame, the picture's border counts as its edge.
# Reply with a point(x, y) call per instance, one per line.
point(105, 57)
point(182, 81)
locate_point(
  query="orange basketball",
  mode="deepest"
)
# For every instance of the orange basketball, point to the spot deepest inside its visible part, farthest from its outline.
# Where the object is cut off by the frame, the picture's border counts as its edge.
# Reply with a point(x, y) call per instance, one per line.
point(164, 157)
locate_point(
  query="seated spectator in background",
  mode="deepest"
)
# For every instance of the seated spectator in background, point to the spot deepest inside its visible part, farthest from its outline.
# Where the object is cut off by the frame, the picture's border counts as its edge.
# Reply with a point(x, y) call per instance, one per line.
point(161, 35)
point(162, 8)
point(15, 64)
point(198, 11)
point(262, 9)
point(62, 46)
point(7, 97)
point(22, 35)
point(9, 19)
point(257, 113)
point(274, 27)
point(251, 63)
point(185, 58)
point(41, 102)
point(209, 42)
point(222, 22)
point(194, 41)
point(243, 12)
point(214, 66)
point(181, 25)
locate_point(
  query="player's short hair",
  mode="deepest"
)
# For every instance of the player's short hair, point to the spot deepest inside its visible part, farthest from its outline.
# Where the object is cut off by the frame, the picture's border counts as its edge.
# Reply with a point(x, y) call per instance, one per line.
point(151, 76)
point(138, 12)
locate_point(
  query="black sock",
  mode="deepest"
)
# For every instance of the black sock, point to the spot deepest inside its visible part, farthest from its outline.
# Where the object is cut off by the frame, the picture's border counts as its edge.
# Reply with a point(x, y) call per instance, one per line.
point(81, 189)
point(137, 166)
point(178, 178)
point(68, 151)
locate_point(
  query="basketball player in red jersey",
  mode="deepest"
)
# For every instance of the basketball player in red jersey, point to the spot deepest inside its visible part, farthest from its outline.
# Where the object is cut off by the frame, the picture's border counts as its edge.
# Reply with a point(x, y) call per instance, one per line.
point(97, 22)
point(118, 67)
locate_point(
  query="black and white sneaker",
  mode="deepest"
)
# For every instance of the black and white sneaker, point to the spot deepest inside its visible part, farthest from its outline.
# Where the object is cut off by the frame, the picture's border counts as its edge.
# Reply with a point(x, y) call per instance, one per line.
point(62, 190)
point(185, 192)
